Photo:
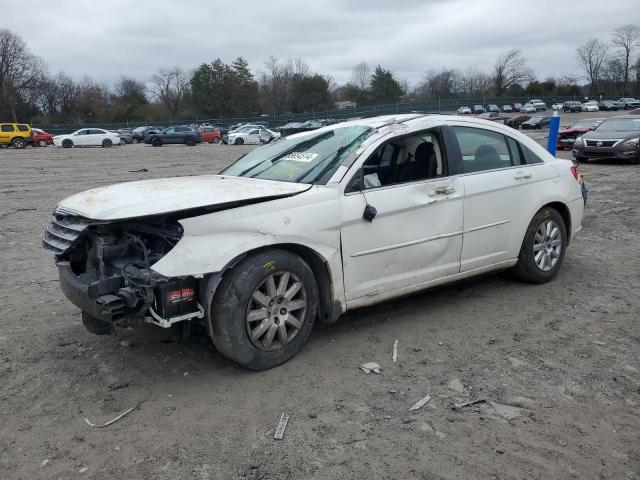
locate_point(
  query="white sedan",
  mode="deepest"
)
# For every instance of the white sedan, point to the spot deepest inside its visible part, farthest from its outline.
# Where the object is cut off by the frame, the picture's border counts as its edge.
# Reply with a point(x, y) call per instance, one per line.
point(252, 136)
point(316, 224)
point(591, 106)
point(87, 137)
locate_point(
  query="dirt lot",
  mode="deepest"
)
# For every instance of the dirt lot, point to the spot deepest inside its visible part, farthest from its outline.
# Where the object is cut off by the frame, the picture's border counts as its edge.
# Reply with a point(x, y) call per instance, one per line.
point(559, 364)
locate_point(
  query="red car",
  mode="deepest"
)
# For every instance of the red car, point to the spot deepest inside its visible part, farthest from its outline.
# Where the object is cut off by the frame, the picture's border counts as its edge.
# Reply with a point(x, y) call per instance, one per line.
point(41, 138)
point(567, 136)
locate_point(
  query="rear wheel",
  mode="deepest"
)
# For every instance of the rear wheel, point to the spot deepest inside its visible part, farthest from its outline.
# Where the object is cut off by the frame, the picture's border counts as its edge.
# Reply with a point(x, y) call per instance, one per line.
point(66, 143)
point(135, 140)
point(190, 141)
point(216, 140)
point(264, 309)
point(106, 143)
point(156, 142)
point(43, 143)
point(19, 143)
point(543, 247)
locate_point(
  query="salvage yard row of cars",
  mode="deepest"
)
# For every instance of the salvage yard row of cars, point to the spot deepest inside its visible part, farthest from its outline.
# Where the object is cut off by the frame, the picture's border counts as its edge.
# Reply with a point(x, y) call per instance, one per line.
point(340, 212)
point(537, 105)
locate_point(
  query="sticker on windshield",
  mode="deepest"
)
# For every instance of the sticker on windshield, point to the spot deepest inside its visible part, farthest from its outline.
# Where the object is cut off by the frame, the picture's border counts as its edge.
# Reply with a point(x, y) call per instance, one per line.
point(300, 156)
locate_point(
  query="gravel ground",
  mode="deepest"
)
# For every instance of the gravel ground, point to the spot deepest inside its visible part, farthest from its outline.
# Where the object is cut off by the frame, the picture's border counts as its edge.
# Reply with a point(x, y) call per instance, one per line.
point(558, 364)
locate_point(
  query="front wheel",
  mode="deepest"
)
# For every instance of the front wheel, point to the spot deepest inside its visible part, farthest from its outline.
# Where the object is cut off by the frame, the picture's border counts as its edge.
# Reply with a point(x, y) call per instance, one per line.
point(543, 247)
point(106, 143)
point(156, 142)
point(239, 141)
point(66, 143)
point(191, 142)
point(264, 309)
point(43, 143)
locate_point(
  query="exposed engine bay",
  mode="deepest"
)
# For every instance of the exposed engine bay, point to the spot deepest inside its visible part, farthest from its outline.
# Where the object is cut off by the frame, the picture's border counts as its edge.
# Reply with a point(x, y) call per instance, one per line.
point(105, 269)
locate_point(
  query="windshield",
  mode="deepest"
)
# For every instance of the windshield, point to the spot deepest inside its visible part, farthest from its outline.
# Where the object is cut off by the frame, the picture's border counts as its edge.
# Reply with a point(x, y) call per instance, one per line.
point(308, 159)
point(619, 125)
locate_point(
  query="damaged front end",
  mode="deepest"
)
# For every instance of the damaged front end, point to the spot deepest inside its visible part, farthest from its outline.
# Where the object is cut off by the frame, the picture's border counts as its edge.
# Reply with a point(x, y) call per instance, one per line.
point(105, 270)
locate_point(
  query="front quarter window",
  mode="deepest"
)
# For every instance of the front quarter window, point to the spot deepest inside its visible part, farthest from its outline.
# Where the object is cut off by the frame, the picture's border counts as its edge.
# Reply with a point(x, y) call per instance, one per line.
point(310, 158)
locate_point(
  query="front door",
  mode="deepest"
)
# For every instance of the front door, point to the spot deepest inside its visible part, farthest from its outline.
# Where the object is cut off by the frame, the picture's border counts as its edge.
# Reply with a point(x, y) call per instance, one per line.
point(416, 234)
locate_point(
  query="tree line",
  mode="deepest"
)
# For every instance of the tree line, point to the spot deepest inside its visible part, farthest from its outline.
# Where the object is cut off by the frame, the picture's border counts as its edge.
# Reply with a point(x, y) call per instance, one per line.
point(28, 92)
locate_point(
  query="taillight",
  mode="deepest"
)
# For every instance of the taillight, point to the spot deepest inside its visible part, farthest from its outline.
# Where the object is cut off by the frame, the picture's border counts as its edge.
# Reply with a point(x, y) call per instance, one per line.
point(576, 174)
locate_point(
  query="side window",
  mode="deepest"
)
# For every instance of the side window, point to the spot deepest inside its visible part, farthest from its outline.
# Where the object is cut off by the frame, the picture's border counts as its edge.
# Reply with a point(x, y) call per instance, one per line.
point(529, 156)
point(402, 160)
point(23, 128)
point(83, 132)
point(482, 149)
point(170, 130)
point(7, 128)
point(254, 132)
point(515, 152)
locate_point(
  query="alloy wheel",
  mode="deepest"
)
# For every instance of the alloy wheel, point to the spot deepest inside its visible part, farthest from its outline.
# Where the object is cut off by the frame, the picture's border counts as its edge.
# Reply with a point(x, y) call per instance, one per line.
point(547, 245)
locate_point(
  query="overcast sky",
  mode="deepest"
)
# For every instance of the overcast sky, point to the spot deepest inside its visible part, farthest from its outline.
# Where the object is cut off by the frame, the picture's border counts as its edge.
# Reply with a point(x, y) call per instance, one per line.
point(104, 39)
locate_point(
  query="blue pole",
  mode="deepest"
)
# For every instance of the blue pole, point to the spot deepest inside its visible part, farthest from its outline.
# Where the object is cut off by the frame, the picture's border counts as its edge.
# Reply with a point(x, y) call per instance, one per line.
point(554, 128)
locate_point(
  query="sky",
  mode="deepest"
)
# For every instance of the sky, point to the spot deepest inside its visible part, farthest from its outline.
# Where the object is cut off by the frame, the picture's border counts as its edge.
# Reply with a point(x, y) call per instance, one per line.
point(109, 38)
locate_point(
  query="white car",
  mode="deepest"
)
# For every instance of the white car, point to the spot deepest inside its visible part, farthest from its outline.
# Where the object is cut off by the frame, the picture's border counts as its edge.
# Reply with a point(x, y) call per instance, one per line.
point(464, 111)
point(538, 104)
point(252, 136)
point(528, 108)
point(318, 223)
point(591, 106)
point(87, 137)
point(557, 106)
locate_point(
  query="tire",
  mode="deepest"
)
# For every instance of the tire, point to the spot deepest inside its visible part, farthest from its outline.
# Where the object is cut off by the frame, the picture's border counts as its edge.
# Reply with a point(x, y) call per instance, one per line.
point(19, 143)
point(528, 268)
point(107, 143)
point(216, 140)
point(123, 141)
point(135, 140)
point(239, 141)
point(66, 143)
point(156, 142)
point(235, 298)
point(43, 143)
point(635, 160)
point(190, 141)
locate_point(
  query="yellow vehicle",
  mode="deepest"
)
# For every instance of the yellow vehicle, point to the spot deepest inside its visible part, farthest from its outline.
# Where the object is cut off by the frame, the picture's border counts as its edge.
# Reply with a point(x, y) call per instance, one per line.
point(18, 135)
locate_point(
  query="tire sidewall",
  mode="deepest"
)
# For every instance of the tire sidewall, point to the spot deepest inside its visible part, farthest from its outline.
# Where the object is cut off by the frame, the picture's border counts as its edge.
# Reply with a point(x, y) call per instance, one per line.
point(229, 306)
point(106, 143)
point(526, 268)
point(156, 142)
point(19, 143)
point(66, 143)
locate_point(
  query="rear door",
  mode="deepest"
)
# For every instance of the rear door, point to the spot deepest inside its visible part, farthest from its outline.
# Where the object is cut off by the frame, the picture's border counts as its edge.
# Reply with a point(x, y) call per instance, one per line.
point(500, 185)
point(253, 137)
point(6, 133)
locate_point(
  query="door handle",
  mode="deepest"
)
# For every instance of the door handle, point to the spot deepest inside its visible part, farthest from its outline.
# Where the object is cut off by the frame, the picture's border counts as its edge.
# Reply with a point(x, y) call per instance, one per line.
point(443, 190)
point(521, 175)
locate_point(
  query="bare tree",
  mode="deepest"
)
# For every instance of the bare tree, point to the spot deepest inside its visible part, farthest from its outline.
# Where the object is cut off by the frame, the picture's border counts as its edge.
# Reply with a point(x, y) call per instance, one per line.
point(361, 76)
point(20, 71)
point(591, 56)
point(170, 87)
point(626, 38)
point(511, 69)
point(276, 84)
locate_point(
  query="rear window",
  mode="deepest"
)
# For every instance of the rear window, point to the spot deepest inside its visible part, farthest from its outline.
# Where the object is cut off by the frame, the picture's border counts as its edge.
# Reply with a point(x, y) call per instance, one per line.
point(7, 128)
point(23, 128)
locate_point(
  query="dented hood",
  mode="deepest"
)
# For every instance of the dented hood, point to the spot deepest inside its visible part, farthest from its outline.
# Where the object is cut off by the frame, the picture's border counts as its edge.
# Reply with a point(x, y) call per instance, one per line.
point(165, 195)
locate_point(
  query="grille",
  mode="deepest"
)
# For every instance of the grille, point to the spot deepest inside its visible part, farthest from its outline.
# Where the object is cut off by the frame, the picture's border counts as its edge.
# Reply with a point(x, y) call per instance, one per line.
point(62, 230)
point(603, 143)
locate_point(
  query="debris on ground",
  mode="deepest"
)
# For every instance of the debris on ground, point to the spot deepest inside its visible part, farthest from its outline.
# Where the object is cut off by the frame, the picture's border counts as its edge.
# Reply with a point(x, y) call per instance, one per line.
point(459, 406)
point(139, 170)
point(395, 350)
point(370, 367)
point(420, 403)
point(126, 412)
point(282, 425)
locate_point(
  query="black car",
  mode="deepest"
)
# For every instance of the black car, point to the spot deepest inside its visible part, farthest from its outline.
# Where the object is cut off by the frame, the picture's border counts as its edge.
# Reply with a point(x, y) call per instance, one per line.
point(536, 123)
point(607, 105)
point(616, 137)
point(180, 134)
point(137, 134)
point(478, 109)
point(572, 106)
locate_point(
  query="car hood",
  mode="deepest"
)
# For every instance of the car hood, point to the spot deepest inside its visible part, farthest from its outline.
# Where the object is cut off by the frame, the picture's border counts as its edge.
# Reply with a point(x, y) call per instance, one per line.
point(571, 130)
point(166, 195)
point(622, 134)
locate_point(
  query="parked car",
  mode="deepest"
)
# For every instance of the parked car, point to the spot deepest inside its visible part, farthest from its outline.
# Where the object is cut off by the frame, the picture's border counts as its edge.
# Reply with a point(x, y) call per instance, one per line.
point(618, 104)
point(478, 109)
point(464, 111)
point(210, 134)
point(493, 108)
point(137, 134)
point(567, 135)
point(629, 103)
point(517, 107)
point(174, 135)
point(557, 106)
point(125, 134)
point(590, 106)
point(507, 108)
point(252, 136)
point(516, 120)
point(16, 135)
point(528, 108)
point(536, 122)
point(572, 106)
point(284, 237)
point(539, 105)
point(41, 138)
point(87, 137)
point(616, 137)
point(607, 105)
